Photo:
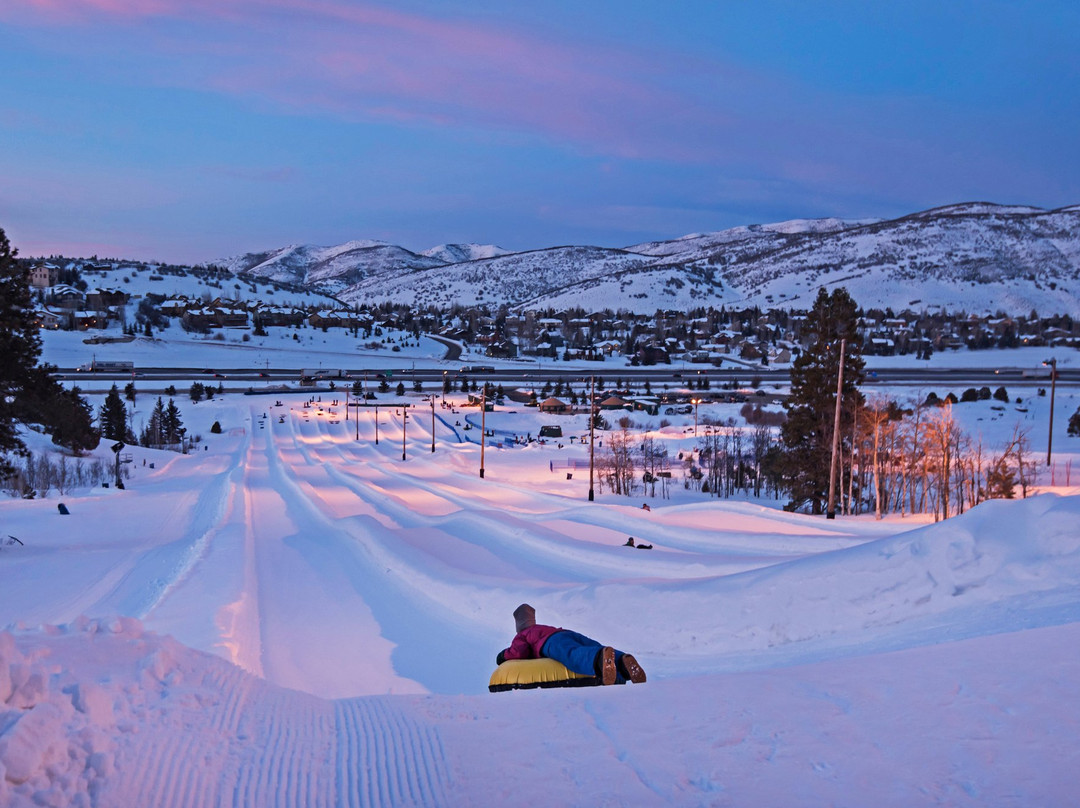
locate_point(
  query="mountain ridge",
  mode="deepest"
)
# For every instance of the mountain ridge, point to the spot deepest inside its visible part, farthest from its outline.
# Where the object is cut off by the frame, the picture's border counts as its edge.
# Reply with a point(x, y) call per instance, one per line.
point(971, 255)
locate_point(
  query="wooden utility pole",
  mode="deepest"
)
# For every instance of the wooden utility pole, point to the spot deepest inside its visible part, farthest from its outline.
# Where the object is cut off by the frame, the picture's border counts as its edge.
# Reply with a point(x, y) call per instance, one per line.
point(592, 424)
point(1053, 389)
point(830, 512)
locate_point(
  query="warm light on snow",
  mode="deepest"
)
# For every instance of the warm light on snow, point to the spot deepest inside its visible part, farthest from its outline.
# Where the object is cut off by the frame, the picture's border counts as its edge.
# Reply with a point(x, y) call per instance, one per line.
point(261, 620)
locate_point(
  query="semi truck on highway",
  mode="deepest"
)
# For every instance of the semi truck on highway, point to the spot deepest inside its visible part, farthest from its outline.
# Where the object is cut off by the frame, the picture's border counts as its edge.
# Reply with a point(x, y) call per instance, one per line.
point(321, 374)
point(100, 366)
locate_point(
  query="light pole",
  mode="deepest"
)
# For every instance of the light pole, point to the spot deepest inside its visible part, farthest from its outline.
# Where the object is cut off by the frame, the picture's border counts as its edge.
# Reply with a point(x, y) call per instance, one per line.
point(1053, 389)
point(592, 425)
point(483, 427)
point(376, 424)
point(433, 423)
point(117, 448)
point(404, 420)
point(695, 402)
point(830, 512)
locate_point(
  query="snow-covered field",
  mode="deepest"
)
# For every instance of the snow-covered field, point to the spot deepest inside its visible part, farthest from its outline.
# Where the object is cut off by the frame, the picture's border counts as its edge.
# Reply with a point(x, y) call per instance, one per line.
point(292, 616)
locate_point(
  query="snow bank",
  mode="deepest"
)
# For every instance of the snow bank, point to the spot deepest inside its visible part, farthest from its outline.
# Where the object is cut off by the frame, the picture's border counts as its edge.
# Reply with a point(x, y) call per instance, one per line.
point(56, 743)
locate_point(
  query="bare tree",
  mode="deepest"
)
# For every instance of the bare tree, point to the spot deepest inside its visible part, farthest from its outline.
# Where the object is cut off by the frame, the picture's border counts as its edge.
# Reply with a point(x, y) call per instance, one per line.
point(618, 462)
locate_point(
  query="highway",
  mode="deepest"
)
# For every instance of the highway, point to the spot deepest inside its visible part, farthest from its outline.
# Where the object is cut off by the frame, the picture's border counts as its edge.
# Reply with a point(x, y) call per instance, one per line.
point(672, 375)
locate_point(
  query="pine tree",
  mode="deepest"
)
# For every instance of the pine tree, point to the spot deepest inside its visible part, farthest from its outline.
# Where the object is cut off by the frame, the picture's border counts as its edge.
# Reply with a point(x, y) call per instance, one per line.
point(808, 432)
point(70, 420)
point(113, 416)
point(20, 347)
point(154, 432)
point(172, 425)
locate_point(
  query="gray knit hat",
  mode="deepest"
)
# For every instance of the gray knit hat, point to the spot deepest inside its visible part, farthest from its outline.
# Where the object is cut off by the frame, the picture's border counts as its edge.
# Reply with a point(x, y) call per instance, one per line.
point(524, 616)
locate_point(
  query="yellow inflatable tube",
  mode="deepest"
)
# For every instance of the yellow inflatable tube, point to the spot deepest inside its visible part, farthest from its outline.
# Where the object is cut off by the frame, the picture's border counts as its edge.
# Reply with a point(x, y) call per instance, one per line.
point(522, 674)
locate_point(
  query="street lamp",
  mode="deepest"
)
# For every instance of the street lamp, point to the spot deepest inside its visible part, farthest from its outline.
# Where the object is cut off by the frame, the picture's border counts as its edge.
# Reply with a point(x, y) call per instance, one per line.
point(117, 448)
point(433, 423)
point(1053, 389)
point(483, 425)
point(695, 402)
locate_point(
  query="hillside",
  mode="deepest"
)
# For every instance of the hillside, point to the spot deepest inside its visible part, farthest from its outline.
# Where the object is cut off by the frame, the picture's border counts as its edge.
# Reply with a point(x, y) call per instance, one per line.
point(976, 256)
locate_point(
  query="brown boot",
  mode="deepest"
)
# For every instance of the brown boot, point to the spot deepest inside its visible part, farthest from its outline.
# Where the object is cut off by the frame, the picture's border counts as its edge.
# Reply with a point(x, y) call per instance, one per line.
point(631, 670)
point(606, 663)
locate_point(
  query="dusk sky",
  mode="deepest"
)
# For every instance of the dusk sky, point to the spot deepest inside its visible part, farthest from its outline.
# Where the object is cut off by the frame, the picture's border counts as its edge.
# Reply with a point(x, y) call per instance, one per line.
point(190, 130)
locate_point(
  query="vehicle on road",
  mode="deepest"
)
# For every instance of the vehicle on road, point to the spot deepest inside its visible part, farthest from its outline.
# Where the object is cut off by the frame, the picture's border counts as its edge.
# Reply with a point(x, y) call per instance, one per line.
point(99, 366)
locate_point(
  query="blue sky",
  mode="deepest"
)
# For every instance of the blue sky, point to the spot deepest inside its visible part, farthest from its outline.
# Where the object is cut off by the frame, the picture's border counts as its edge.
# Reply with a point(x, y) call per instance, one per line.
point(189, 130)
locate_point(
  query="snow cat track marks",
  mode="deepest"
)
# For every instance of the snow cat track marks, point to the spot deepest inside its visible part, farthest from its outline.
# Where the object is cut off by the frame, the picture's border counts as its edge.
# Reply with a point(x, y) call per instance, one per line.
point(163, 769)
point(385, 757)
point(228, 712)
point(296, 734)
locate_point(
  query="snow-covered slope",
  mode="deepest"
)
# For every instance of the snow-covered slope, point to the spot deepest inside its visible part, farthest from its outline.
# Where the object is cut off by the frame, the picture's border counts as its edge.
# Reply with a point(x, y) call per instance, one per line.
point(457, 253)
point(977, 257)
point(313, 618)
point(526, 278)
point(331, 269)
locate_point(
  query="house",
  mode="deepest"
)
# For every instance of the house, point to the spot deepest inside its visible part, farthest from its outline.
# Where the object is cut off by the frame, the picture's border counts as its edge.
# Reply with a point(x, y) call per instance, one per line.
point(647, 405)
point(43, 276)
point(652, 354)
point(175, 307)
point(67, 297)
point(269, 316)
point(200, 319)
point(554, 405)
point(501, 349)
point(83, 320)
point(44, 318)
point(104, 299)
point(781, 357)
point(880, 346)
point(231, 317)
point(337, 318)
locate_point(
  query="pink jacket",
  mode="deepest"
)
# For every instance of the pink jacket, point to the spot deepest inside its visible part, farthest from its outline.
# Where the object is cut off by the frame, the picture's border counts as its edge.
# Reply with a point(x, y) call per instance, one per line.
point(529, 642)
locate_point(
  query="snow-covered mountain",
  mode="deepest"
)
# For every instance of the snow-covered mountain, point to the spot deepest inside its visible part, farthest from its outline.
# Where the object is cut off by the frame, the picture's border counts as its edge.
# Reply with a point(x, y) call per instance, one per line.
point(457, 253)
point(331, 269)
point(976, 256)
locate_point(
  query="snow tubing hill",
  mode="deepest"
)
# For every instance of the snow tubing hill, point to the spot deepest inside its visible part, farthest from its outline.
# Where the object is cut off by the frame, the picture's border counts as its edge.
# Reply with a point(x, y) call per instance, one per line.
point(524, 674)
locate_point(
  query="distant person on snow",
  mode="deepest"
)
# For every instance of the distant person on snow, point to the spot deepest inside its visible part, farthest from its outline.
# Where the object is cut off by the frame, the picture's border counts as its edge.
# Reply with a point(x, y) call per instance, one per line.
point(577, 652)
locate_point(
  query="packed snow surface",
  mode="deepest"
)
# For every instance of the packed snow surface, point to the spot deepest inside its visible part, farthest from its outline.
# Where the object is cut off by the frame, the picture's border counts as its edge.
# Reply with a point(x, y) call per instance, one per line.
point(294, 616)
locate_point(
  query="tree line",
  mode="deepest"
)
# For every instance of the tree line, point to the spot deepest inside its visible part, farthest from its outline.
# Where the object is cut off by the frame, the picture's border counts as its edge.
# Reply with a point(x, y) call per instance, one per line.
point(890, 458)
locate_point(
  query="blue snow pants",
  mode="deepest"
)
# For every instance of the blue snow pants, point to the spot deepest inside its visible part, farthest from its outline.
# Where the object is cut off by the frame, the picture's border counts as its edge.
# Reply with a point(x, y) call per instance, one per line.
point(578, 653)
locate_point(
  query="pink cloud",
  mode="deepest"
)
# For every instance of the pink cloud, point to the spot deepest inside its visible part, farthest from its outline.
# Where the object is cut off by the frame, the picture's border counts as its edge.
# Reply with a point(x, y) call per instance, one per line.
point(363, 61)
